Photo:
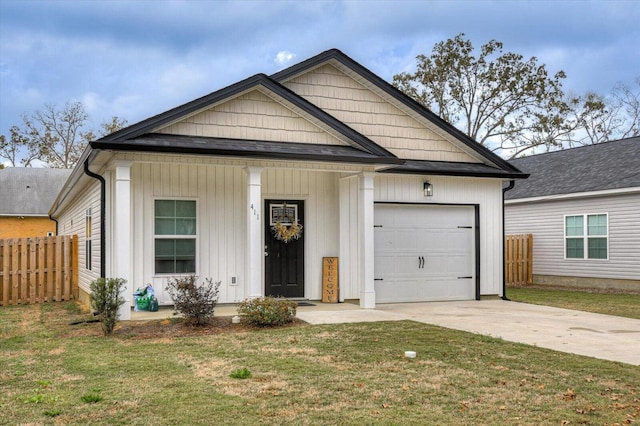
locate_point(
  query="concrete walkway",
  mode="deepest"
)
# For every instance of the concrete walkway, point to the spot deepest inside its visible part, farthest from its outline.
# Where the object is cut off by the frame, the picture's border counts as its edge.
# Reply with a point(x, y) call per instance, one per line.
point(599, 336)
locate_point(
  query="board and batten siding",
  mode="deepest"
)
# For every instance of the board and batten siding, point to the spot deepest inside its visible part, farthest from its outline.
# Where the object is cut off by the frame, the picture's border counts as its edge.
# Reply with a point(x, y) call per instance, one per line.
point(374, 117)
point(545, 220)
point(72, 221)
point(486, 193)
point(220, 194)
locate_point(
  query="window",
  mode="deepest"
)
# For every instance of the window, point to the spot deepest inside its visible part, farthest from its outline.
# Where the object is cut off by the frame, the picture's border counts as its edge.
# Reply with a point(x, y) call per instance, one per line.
point(586, 236)
point(175, 237)
point(283, 213)
point(87, 240)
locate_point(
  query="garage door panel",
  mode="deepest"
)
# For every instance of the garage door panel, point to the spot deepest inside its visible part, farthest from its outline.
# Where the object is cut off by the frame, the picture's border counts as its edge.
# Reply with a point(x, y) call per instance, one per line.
point(396, 263)
point(400, 290)
point(391, 239)
point(424, 253)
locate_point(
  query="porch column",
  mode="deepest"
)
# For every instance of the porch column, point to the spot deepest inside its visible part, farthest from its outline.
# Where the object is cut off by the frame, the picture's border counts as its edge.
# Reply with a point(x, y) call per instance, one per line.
point(365, 240)
point(122, 233)
point(255, 251)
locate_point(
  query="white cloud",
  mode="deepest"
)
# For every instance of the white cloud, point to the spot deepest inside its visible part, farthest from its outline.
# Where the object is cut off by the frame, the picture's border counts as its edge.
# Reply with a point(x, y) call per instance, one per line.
point(284, 57)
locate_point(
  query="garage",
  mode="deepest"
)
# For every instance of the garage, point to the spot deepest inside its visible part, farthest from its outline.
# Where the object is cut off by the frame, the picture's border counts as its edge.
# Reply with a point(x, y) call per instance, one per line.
point(424, 252)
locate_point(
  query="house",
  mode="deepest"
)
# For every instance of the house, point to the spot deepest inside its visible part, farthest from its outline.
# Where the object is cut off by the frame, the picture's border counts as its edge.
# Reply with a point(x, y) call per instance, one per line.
point(410, 206)
point(26, 194)
point(582, 206)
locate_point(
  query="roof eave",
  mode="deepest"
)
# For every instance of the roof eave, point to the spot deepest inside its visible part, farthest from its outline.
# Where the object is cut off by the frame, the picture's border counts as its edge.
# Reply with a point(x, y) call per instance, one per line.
point(497, 174)
point(129, 147)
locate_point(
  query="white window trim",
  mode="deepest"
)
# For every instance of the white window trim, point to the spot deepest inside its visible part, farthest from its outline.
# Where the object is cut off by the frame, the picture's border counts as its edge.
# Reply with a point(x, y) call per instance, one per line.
point(585, 236)
point(195, 236)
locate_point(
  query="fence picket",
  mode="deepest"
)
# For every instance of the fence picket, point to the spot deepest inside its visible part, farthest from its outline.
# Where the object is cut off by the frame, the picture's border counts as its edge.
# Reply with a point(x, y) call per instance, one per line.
point(6, 262)
point(32, 270)
point(38, 269)
point(41, 273)
point(15, 271)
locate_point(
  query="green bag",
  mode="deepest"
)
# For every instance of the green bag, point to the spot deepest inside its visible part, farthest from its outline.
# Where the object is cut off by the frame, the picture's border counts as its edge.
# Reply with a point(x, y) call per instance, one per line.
point(142, 302)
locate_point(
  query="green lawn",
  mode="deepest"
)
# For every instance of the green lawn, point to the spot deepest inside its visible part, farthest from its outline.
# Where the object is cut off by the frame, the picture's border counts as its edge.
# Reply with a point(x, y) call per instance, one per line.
point(55, 373)
point(623, 305)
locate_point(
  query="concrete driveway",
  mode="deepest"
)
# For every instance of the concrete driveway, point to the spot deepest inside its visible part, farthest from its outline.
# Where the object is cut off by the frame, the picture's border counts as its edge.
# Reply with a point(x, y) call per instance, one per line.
point(583, 333)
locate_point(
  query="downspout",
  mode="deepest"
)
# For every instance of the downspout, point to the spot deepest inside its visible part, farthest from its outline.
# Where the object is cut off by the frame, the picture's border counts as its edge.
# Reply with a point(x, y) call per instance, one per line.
point(56, 221)
point(512, 183)
point(102, 215)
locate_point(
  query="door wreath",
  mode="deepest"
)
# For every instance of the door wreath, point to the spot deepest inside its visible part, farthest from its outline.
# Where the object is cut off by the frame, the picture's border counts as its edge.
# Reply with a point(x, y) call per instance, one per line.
point(286, 233)
point(286, 227)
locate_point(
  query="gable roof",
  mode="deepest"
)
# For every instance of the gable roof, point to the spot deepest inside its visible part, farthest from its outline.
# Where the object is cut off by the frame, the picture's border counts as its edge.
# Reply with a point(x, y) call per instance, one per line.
point(604, 166)
point(358, 140)
point(138, 137)
point(337, 56)
point(27, 191)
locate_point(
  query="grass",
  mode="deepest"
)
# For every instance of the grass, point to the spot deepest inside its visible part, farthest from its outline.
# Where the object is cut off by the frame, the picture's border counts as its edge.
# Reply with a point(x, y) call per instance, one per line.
point(619, 304)
point(331, 374)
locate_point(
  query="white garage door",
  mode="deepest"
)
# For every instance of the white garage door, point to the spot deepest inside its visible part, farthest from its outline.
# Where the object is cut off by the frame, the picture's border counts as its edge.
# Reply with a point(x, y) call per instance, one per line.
point(424, 253)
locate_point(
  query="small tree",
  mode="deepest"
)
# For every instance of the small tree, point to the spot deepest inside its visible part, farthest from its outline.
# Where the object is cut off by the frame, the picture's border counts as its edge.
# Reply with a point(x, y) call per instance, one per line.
point(195, 302)
point(106, 300)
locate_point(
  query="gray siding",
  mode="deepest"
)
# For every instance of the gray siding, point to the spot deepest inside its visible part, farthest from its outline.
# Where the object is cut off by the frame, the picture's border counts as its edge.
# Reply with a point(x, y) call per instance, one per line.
point(545, 220)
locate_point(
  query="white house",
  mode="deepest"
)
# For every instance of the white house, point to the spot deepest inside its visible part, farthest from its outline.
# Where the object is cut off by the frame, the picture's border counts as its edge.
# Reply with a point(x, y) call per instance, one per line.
point(582, 206)
point(411, 206)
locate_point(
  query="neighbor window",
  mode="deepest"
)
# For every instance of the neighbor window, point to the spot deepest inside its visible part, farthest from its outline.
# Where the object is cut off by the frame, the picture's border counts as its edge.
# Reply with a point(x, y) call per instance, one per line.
point(586, 236)
point(175, 237)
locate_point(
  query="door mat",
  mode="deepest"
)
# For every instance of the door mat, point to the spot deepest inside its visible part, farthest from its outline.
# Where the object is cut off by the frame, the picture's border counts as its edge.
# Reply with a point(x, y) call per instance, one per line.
point(305, 304)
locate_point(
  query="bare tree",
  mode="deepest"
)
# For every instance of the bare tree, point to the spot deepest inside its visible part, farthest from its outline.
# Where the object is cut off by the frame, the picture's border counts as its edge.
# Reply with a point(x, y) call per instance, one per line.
point(53, 136)
point(11, 149)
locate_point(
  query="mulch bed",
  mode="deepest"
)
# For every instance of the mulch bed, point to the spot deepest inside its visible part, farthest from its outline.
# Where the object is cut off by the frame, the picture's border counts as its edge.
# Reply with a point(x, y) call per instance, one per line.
point(175, 327)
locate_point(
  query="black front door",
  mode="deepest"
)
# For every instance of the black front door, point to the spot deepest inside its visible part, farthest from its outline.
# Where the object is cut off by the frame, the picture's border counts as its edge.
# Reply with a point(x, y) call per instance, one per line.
point(284, 254)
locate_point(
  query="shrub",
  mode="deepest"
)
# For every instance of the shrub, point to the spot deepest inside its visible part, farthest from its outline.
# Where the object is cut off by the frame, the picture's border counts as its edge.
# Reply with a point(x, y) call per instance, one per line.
point(268, 311)
point(195, 302)
point(106, 300)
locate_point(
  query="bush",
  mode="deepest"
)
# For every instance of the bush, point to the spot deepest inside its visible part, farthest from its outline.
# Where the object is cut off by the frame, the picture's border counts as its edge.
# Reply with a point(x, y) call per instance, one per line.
point(195, 302)
point(268, 311)
point(106, 300)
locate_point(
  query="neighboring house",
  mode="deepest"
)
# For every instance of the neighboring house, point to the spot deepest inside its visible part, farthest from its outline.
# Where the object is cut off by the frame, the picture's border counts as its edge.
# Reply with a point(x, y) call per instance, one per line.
point(411, 206)
point(26, 195)
point(582, 206)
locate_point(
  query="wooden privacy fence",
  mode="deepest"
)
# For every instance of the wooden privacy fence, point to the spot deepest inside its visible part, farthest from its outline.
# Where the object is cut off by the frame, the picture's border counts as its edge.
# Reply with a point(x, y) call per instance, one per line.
point(518, 256)
point(42, 269)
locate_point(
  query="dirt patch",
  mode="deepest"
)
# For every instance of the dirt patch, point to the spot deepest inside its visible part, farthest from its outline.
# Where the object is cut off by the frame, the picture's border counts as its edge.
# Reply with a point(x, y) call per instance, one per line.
point(170, 328)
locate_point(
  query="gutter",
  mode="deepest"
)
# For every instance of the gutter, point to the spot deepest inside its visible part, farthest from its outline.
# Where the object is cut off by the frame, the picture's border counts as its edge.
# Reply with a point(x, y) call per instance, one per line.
point(512, 184)
point(102, 215)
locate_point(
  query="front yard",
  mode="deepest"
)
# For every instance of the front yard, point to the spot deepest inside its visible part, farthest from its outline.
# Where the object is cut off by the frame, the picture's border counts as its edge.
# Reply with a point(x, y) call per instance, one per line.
point(55, 373)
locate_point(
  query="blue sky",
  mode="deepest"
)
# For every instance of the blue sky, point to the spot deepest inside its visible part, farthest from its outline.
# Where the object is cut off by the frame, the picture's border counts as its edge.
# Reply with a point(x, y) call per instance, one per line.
point(135, 59)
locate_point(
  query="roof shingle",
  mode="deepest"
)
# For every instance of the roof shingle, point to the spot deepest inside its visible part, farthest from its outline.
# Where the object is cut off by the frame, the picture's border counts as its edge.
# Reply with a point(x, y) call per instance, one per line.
point(27, 191)
point(604, 166)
